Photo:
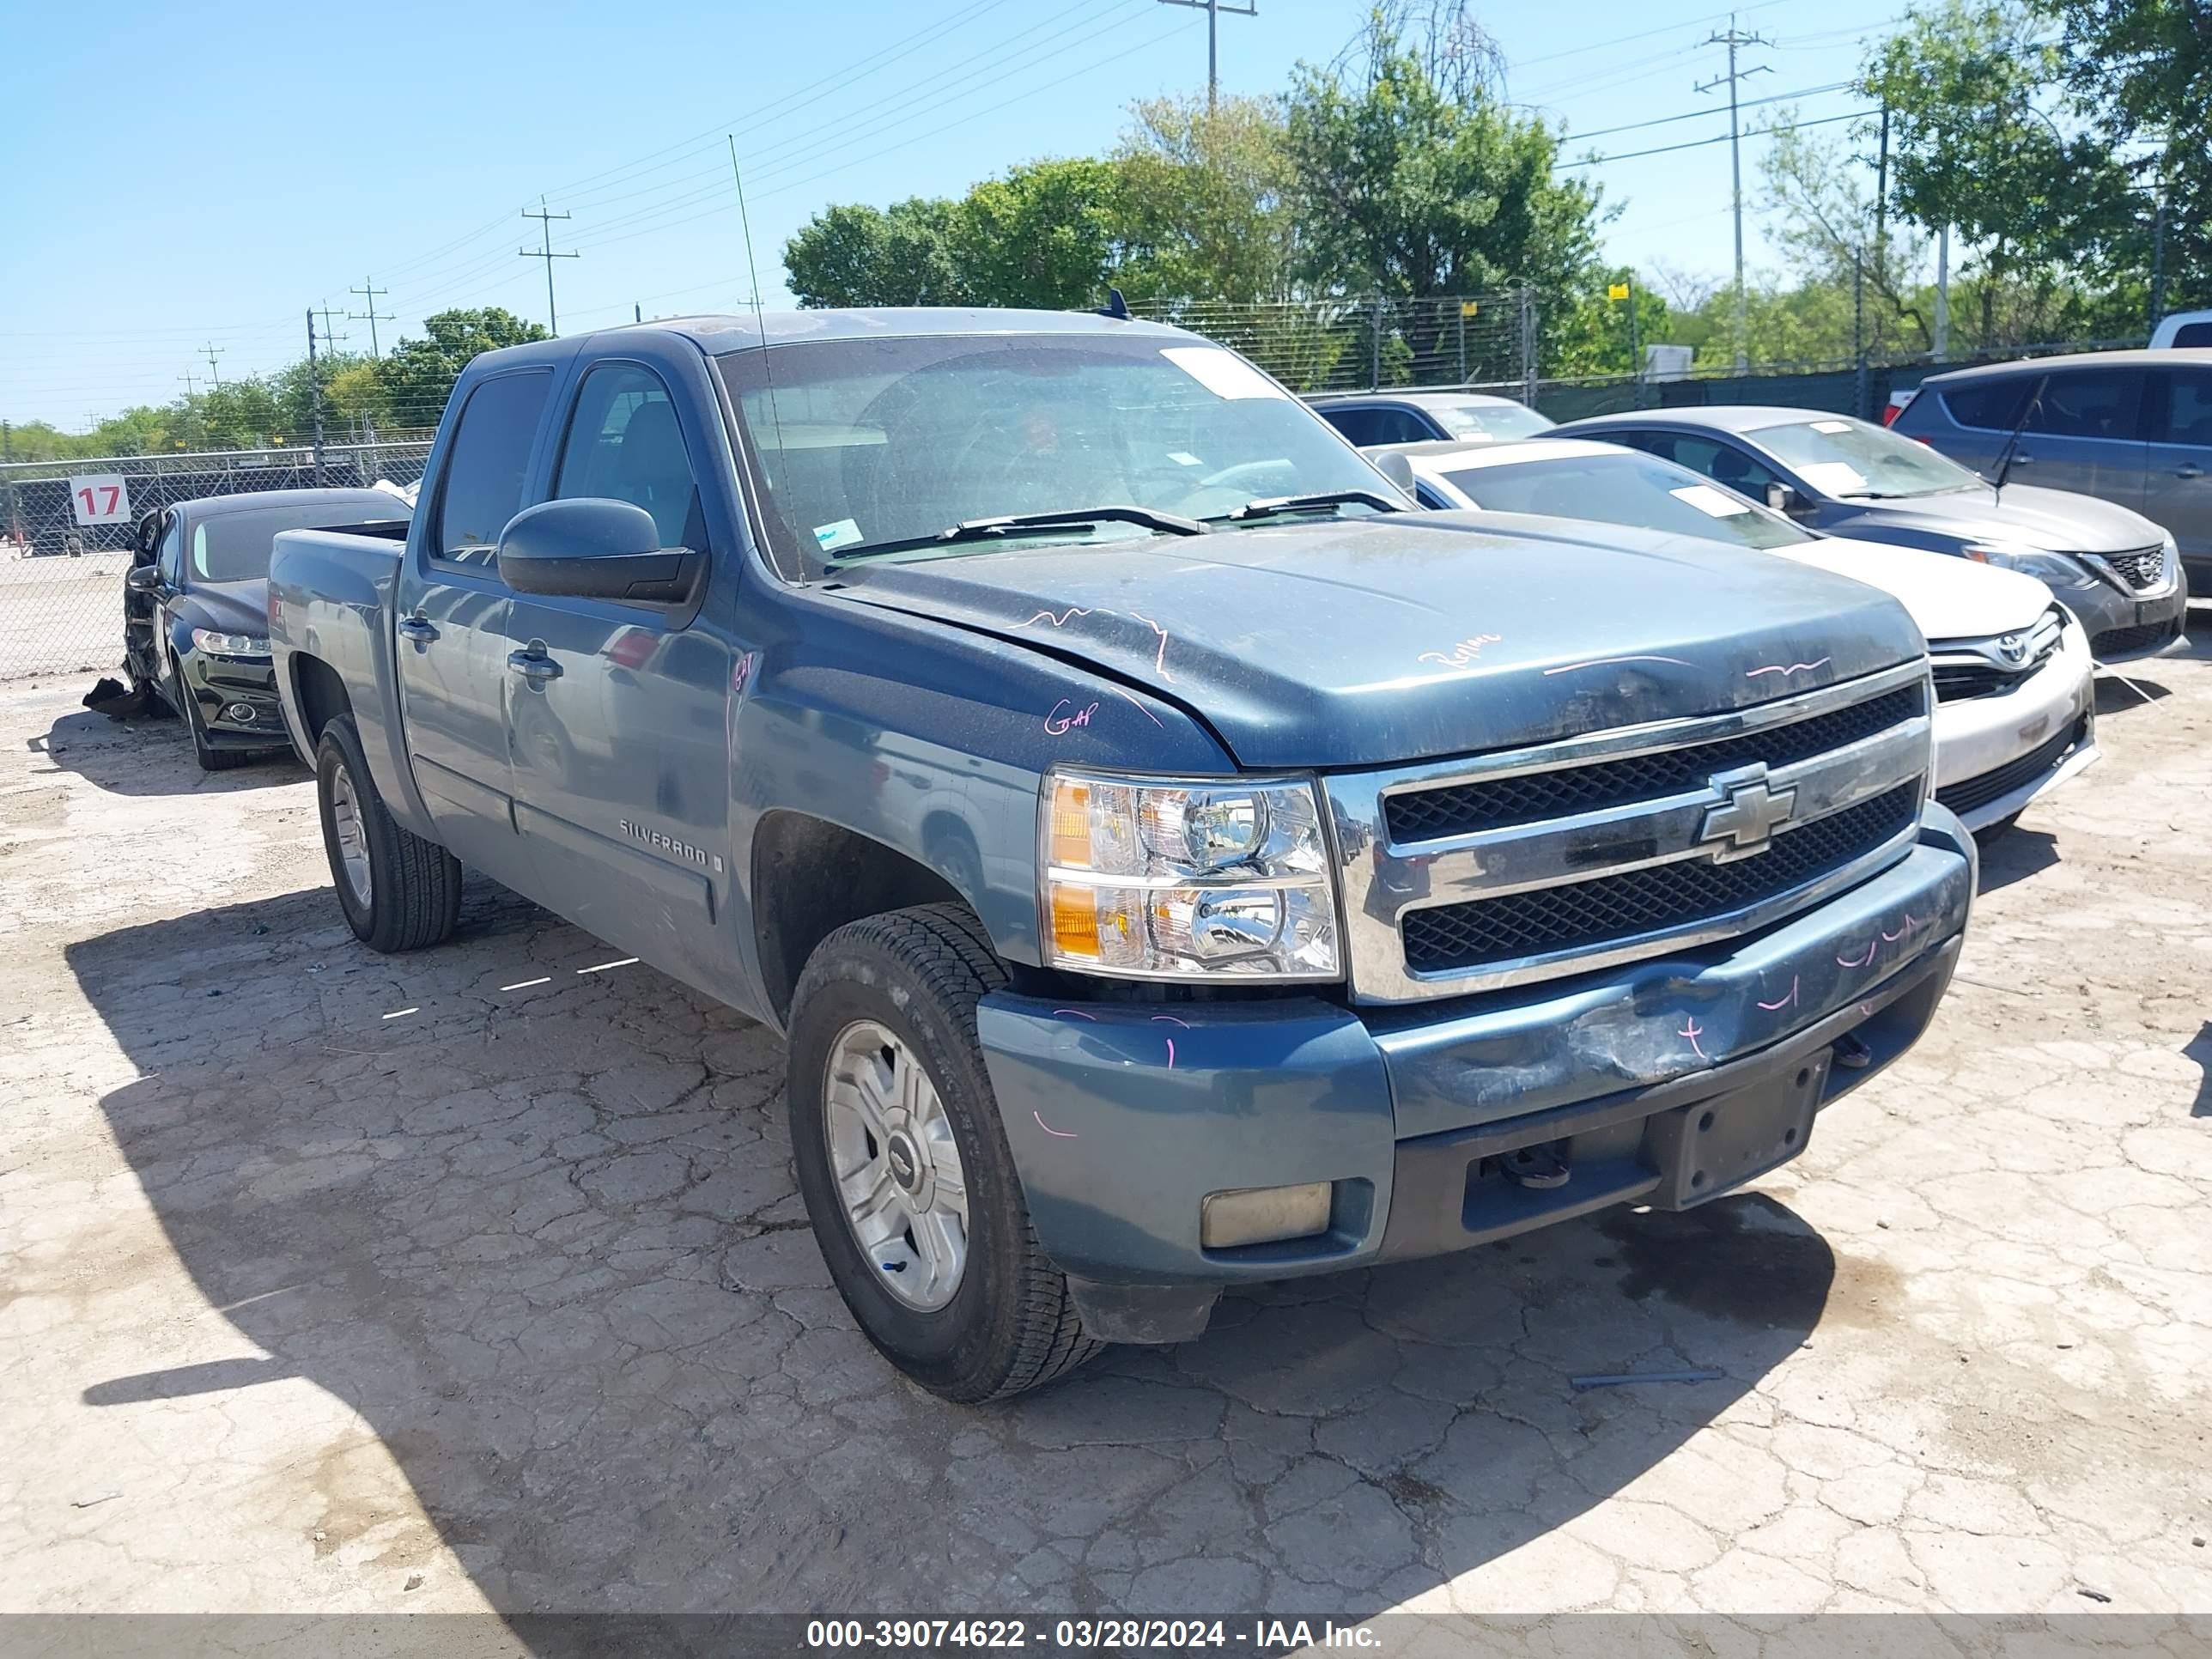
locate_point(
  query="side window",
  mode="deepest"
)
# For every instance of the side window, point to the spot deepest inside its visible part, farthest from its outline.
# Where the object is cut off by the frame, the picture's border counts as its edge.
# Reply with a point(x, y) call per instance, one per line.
point(1724, 464)
point(2098, 402)
point(1425, 494)
point(1403, 426)
point(2188, 408)
point(625, 443)
point(2193, 334)
point(171, 558)
point(1988, 405)
point(1360, 426)
point(483, 484)
point(1660, 444)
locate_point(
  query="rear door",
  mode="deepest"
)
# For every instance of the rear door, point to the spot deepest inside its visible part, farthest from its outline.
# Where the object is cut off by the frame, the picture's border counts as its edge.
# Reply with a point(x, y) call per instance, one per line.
point(2177, 473)
point(622, 771)
point(453, 647)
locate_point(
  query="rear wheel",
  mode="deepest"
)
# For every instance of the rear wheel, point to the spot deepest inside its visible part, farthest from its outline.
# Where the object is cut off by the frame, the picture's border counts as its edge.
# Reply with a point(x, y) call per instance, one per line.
point(399, 892)
point(211, 759)
point(904, 1166)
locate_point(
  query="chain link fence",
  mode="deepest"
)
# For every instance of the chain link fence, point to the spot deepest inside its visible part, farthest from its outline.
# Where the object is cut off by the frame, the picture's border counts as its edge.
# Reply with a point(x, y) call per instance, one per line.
point(1352, 344)
point(66, 529)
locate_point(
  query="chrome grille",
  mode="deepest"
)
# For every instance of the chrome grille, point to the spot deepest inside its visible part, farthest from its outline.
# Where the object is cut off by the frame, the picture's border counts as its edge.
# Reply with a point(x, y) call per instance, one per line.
point(1511, 866)
point(2140, 568)
point(1448, 936)
point(1984, 668)
point(1461, 809)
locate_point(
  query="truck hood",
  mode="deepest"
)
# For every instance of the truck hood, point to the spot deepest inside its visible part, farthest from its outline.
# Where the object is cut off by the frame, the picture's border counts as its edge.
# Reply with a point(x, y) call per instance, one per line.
point(1950, 598)
point(2057, 521)
point(1367, 641)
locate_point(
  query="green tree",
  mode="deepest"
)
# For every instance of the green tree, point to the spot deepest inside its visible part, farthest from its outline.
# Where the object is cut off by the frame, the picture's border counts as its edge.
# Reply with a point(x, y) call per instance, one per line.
point(2141, 70)
point(1975, 98)
point(1201, 211)
point(1592, 334)
point(1831, 234)
point(864, 256)
point(1043, 235)
point(1397, 189)
point(418, 375)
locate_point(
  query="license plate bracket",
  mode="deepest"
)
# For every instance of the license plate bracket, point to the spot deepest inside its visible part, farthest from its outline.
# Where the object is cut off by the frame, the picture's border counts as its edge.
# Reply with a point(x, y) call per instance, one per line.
point(1716, 1145)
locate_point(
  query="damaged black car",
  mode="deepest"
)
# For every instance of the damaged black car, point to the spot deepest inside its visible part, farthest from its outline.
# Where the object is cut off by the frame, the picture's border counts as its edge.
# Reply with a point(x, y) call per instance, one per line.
point(195, 610)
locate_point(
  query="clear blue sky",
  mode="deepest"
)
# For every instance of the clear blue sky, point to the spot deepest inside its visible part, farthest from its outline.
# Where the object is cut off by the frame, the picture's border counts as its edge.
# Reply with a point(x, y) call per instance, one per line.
point(178, 176)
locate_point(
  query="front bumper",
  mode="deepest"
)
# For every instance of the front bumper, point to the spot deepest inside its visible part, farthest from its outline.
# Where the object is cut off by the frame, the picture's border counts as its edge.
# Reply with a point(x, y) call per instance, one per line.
point(2127, 628)
point(1122, 1117)
point(1994, 755)
point(236, 699)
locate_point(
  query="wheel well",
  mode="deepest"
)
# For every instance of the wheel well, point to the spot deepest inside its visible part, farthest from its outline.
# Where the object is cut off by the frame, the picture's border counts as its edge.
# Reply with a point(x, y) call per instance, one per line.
point(811, 877)
point(321, 694)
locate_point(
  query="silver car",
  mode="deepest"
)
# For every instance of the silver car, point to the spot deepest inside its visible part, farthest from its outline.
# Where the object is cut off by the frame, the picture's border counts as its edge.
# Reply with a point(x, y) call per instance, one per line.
point(2108, 564)
point(2133, 428)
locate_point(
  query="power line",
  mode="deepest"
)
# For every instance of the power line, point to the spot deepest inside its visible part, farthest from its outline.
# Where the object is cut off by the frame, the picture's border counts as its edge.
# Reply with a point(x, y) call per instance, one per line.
point(1717, 138)
point(1735, 40)
point(1698, 114)
point(545, 223)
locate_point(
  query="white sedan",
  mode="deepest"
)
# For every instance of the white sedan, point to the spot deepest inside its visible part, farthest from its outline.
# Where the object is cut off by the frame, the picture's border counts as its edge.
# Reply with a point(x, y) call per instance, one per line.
point(2015, 711)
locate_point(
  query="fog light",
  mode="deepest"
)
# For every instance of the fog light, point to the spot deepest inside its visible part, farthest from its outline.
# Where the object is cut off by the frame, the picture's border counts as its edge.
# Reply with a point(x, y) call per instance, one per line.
point(240, 712)
point(1263, 1215)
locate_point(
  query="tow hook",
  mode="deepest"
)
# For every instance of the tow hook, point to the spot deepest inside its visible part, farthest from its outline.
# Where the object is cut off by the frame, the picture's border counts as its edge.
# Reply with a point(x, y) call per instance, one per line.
point(1542, 1167)
point(1851, 1051)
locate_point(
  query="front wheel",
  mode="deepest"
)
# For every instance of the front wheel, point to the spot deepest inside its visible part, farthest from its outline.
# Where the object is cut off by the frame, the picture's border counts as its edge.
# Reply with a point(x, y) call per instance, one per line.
point(399, 892)
point(904, 1166)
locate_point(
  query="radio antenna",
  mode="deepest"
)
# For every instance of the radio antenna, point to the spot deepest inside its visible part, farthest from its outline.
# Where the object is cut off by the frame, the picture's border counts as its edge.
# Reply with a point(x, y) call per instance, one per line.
point(760, 322)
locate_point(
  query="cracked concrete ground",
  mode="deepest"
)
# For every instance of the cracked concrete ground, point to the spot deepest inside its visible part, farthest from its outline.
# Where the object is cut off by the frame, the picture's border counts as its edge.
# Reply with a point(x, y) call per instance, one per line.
point(476, 1278)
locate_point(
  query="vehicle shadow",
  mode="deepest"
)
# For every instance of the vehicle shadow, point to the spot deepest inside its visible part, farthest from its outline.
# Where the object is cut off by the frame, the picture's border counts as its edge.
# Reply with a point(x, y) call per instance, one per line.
point(2199, 1050)
point(152, 756)
point(2015, 855)
point(529, 1212)
point(2119, 691)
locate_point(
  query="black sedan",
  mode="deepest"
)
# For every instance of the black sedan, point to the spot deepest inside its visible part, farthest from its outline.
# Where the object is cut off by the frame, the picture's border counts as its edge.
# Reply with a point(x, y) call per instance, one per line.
point(195, 610)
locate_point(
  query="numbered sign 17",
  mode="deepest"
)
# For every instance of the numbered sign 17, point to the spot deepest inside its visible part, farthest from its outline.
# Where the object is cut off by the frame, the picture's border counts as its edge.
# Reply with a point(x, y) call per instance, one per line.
point(100, 498)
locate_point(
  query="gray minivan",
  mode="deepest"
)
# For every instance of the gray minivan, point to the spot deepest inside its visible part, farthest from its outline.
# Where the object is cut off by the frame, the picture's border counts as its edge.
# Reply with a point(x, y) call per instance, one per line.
point(2132, 427)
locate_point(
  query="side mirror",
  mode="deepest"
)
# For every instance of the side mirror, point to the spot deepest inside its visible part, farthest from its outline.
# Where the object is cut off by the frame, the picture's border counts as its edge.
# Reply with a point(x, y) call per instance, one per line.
point(1393, 465)
point(143, 579)
point(593, 549)
point(1784, 499)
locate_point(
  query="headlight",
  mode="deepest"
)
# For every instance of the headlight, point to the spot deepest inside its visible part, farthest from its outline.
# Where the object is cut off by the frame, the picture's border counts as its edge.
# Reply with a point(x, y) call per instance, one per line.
point(1182, 881)
point(2055, 569)
point(230, 645)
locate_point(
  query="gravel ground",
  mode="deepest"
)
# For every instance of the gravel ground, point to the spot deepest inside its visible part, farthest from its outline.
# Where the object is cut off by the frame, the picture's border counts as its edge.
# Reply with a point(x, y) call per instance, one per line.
point(476, 1280)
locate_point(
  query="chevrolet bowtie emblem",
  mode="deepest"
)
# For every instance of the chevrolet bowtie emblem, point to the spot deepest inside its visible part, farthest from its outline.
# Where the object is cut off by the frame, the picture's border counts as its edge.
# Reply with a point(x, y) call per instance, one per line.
point(1746, 820)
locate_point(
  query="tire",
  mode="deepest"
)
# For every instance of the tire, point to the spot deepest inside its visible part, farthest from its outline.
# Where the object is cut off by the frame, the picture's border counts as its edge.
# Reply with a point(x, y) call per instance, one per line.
point(409, 895)
point(211, 759)
point(913, 977)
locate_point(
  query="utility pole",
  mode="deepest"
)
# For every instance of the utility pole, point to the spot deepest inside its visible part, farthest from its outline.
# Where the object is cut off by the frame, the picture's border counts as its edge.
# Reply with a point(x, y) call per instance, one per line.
point(315, 388)
point(2157, 265)
point(1735, 40)
point(545, 223)
point(191, 392)
point(1943, 293)
point(369, 291)
point(330, 336)
point(212, 351)
point(1214, 8)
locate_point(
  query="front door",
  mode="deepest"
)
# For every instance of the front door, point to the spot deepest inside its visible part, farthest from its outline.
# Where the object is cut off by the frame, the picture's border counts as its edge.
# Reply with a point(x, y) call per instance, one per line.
point(160, 543)
point(2178, 475)
point(615, 712)
point(451, 649)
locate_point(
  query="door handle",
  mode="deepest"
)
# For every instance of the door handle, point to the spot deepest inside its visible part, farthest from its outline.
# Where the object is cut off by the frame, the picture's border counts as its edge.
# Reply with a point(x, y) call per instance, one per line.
point(2191, 470)
point(534, 665)
point(417, 629)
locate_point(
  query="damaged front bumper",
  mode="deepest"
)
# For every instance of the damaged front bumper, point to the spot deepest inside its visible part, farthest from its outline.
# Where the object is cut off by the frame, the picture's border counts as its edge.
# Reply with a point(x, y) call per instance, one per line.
point(1666, 1082)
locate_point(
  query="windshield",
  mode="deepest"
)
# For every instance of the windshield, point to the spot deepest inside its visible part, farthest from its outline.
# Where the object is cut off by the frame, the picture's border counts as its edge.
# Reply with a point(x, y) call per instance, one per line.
point(233, 547)
point(1480, 420)
point(1629, 489)
point(1840, 457)
point(867, 444)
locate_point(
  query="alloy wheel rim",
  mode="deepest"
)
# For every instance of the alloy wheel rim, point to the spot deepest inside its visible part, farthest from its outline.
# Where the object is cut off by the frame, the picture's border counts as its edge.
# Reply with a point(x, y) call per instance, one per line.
point(901, 1184)
point(352, 841)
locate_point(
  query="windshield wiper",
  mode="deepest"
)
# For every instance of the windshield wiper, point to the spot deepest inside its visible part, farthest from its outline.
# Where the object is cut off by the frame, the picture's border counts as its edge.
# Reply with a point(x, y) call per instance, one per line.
point(1070, 520)
point(1273, 506)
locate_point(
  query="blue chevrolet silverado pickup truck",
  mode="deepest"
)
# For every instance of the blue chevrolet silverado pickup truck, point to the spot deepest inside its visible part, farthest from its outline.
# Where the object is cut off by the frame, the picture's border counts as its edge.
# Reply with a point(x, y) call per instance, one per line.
point(1171, 863)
